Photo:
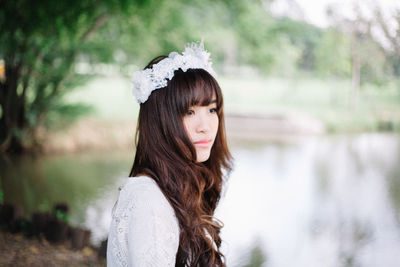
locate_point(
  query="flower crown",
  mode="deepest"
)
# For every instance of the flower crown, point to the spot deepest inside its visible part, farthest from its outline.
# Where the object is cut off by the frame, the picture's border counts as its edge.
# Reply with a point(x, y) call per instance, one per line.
point(146, 81)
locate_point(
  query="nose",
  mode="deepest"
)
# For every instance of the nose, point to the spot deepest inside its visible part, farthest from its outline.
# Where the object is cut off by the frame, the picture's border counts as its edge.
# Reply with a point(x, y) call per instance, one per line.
point(203, 123)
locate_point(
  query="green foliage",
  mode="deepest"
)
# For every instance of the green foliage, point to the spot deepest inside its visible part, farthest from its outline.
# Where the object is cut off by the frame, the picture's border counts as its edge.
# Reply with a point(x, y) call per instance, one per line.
point(333, 54)
point(257, 257)
point(261, 41)
point(62, 216)
point(236, 33)
point(305, 37)
point(373, 62)
point(61, 115)
point(41, 42)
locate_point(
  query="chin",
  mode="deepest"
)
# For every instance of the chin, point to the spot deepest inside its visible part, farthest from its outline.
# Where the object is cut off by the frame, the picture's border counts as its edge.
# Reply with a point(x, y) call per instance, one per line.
point(201, 157)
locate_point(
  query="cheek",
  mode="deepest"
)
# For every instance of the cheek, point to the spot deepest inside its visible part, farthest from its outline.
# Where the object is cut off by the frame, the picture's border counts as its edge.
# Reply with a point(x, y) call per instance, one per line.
point(215, 125)
point(187, 124)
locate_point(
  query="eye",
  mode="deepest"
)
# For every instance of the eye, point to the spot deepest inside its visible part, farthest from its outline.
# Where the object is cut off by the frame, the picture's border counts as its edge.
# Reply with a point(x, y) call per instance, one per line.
point(190, 112)
point(213, 110)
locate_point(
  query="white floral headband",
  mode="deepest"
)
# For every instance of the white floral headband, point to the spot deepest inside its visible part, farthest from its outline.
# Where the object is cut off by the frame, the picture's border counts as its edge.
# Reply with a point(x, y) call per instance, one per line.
point(146, 81)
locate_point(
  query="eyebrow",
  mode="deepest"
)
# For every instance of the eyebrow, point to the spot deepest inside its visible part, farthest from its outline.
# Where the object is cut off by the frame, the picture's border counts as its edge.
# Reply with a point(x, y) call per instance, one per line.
point(214, 101)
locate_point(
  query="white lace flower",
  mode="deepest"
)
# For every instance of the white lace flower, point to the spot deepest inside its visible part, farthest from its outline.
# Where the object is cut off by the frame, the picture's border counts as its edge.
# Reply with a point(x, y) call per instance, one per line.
point(146, 81)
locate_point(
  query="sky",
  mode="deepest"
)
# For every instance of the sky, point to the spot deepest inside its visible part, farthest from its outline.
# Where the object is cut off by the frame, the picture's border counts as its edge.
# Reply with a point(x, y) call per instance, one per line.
point(314, 11)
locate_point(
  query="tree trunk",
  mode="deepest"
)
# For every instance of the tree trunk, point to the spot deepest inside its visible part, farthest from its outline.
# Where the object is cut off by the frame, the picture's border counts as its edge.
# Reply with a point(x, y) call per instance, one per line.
point(13, 123)
point(355, 71)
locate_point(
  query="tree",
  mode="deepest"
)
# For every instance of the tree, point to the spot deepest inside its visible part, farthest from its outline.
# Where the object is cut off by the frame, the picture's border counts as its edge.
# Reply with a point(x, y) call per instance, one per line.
point(357, 46)
point(39, 43)
point(333, 54)
point(391, 32)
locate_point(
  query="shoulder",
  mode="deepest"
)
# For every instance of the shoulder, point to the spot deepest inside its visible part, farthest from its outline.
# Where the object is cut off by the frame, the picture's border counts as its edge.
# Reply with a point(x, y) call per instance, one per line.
point(142, 189)
point(144, 230)
point(141, 183)
point(142, 195)
point(140, 205)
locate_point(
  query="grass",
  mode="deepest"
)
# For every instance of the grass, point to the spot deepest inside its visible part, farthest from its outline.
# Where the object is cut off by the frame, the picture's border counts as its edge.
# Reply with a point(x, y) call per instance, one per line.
point(328, 99)
point(111, 97)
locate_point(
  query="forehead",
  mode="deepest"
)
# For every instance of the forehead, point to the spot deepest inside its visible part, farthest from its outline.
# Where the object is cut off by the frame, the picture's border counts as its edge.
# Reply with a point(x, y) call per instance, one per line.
point(203, 95)
point(194, 88)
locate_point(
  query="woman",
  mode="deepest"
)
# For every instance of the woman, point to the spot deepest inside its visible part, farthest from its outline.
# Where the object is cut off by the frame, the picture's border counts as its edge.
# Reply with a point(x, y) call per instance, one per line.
point(164, 214)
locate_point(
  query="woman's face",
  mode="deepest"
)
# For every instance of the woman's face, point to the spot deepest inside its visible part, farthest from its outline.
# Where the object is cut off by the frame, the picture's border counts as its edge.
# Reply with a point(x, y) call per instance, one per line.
point(201, 124)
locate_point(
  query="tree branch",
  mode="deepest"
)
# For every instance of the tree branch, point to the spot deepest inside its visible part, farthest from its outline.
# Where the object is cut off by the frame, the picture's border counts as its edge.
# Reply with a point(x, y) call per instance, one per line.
point(5, 144)
point(385, 29)
point(97, 24)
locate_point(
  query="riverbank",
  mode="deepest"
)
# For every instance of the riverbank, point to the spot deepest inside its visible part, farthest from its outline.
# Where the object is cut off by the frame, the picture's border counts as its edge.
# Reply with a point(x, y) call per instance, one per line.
point(256, 108)
point(18, 250)
point(103, 135)
point(100, 134)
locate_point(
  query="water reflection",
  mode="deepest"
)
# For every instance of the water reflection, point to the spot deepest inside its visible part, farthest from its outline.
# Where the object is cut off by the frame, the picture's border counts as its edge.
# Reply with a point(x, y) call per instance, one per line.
point(321, 202)
point(256, 257)
point(81, 180)
point(326, 201)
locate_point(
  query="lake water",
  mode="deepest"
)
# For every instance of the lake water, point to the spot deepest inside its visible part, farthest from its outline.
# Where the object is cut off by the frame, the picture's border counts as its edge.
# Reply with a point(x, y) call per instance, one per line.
point(313, 201)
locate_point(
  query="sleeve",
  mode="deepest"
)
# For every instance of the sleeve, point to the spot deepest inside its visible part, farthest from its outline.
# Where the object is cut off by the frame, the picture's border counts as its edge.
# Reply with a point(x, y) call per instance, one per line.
point(152, 235)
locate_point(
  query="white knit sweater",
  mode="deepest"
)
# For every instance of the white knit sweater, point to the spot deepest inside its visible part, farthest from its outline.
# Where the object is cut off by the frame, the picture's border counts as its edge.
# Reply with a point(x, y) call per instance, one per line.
point(144, 231)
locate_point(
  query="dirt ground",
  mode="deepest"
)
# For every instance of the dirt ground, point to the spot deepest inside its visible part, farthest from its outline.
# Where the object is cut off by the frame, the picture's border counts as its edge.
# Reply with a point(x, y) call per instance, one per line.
point(17, 250)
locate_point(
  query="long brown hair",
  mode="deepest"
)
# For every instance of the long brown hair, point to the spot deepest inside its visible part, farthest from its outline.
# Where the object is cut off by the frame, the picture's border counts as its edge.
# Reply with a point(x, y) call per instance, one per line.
point(165, 153)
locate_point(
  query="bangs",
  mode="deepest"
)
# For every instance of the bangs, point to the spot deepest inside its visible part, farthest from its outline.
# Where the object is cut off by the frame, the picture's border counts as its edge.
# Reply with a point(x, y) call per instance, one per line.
point(195, 87)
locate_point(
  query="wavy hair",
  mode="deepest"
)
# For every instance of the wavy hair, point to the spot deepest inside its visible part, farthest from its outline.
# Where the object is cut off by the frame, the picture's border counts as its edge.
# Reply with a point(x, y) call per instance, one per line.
point(165, 153)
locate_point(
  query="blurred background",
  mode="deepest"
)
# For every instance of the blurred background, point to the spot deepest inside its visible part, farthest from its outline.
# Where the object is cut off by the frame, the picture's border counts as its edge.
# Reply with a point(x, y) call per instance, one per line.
point(312, 103)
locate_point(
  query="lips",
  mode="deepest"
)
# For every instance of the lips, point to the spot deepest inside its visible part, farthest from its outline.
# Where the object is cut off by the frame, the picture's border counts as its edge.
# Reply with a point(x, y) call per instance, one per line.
point(203, 143)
